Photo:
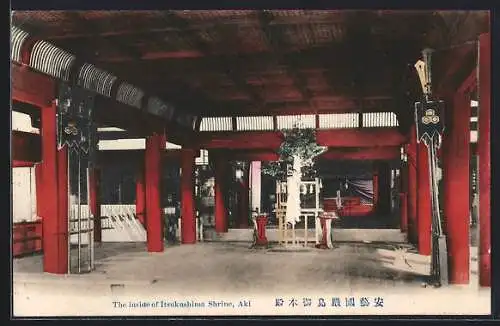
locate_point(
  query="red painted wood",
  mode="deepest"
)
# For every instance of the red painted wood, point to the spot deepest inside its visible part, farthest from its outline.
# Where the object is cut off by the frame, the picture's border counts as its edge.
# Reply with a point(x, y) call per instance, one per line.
point(188, 227)
point(26, 147)
point(54, 261)
point(455, 61)
point(411, 150)
point(31, 87)
point(375, 188)
point(40, 192)
point(363, 153)
point(370, 137)
point(484, 160)
point(423, 201)
point(62, 211)
point(403, 197)
point(26, 238)
point(221, 223)
point(367, 137)
point(456, 186)
point(140, 195)
point(22, 164)
point(95, 202)
point(154, 224)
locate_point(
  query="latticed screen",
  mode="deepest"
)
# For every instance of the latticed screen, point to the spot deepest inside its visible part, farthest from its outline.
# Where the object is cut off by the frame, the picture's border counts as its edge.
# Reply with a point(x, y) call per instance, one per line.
point(216, 124)
point(339, 120)
point(254, 123)
point(380, 119)
point(301, 121)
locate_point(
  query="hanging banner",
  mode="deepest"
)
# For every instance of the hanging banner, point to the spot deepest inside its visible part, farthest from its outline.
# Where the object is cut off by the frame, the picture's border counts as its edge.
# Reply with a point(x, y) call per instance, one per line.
point(429, 119)
point(75, 126)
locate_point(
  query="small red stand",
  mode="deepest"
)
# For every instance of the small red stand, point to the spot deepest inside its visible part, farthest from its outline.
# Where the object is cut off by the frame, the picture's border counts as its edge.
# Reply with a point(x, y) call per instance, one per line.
point(323, 218)
point(261, 230)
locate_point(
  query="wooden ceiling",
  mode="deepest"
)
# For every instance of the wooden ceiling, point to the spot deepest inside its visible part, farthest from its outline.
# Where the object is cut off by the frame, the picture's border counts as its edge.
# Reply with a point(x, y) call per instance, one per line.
point(248, 62)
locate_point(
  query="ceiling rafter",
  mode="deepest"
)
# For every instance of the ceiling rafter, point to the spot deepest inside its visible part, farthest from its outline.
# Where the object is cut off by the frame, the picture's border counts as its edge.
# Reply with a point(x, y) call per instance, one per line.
point(278, 44)
point(95, 33)
point(224, 62)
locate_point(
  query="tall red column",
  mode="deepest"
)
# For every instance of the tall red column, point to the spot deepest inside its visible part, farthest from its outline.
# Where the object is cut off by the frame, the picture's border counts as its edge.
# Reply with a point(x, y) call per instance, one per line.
point(484, 159)
point(40, 193)
point(220, 209)
point(412, 186)
point(95, 202)
point(155, 145)
point(140, 195)
point(55, 199)
point(403, 198)
point(375, 189)
point(188, 219)
point(403, 203)
point(424, 216)
point(456, 189)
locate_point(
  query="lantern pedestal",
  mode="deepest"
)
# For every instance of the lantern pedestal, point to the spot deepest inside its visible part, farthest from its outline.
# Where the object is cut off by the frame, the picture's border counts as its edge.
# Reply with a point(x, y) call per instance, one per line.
point(261, 231)
point(326, 222)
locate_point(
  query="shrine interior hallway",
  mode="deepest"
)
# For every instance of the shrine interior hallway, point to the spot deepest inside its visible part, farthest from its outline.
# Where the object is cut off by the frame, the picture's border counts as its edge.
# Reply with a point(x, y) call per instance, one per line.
point(218, 269)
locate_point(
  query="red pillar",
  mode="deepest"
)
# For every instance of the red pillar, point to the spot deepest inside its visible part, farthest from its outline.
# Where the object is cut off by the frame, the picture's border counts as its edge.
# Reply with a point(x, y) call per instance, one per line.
point(403, 197)
point(40, 193)
point(412, 186)
point(188, 227)
point(456, 189)
point(424, 216)
point(484, 159)
point(140, 195)
point(403, 200)
point(220, 209)
point(95, 202)
point(375, 190)
point(55, 199)
point(155, 145)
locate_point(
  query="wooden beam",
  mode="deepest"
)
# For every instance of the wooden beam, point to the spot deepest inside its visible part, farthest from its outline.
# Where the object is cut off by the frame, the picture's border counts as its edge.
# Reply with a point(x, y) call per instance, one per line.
point(224, 62)
point(469, 83)
point(365, 153)
point(276, 40)
point(267, 155)
point(367, 137)
point(31, 87)
point(134, 155)
point(455, 61)
point(26, 147)
point(95, 35)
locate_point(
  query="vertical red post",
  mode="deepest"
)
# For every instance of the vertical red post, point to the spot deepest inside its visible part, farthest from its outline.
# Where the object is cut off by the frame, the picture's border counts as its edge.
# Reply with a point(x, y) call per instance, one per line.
point(220, 209)
point(412, 186)
point(40, 193)
point(424, 216)
point(155, 146)
point(484, 159)
point(63, 209)
point(456, 188)
point(55, 203)
point(403, 197)
point(375, 189)
point(140, 195)
point(95, 202)
point(188, 219)
point(403, 202)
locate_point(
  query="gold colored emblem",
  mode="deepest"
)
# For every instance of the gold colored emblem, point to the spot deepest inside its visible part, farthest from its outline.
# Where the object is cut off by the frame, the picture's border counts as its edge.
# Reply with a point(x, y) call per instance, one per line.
point(430, 117)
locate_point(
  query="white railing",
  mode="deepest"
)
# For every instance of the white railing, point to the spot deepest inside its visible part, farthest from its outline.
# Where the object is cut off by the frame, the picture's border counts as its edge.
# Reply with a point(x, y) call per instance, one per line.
point(119, 224)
